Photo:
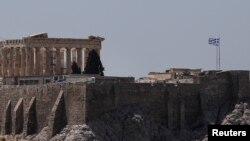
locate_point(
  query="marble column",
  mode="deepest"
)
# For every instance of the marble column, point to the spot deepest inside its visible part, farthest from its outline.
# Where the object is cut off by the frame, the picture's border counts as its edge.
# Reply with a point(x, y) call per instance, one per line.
point(29, 61)
point(1, 62)
point(11, 62)
point(38, 61)
point(27, 69)
point(43, 60)
point(32, 64)
point(86, 55)
point(23, 61)
point(49, 63)
point(53, 61)
point(68, 58)
point(5, 52)
point(58, 61)
point(17, 62)
point(79, 58)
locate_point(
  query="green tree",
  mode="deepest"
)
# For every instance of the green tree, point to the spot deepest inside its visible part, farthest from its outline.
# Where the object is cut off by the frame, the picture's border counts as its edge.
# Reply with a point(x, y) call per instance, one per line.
point(94, 64)
point(75, 68)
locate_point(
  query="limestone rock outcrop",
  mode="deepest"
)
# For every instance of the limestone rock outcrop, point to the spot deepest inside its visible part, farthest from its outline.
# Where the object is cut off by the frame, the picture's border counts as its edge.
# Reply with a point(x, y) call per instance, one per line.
point(239, 116)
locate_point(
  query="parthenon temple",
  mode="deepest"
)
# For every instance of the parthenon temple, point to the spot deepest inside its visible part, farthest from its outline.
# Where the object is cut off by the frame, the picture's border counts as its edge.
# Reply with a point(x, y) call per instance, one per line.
point(38, 55)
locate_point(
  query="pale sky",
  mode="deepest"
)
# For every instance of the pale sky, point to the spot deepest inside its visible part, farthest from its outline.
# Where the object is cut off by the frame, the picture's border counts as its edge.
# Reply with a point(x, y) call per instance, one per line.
point(141, 35)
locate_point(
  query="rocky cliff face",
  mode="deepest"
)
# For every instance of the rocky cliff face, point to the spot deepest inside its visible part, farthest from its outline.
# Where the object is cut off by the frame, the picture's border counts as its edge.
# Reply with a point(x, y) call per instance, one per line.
point(132, 123)
point(239, 116)
point(127, 123)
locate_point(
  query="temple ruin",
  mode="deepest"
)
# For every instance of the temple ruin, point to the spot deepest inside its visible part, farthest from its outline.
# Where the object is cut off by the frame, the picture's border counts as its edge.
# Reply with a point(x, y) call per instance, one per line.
point(38, 55)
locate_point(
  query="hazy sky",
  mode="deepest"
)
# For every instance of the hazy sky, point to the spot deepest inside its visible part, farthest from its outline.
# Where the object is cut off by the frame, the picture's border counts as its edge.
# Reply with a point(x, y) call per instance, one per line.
point(141, 35)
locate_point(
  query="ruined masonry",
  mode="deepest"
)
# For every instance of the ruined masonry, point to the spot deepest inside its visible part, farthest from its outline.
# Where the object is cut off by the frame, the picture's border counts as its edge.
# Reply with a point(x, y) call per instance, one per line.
point(38, 55)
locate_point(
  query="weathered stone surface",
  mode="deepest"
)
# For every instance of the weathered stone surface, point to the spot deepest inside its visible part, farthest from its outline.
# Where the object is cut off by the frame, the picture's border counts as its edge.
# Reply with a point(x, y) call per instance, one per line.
point(219, 95)
point(57, 119)
point(7, 120)
point(18, 117)
point(187, 107)
point(42, 136)
point(17, 66)
point(76, 133)
point(46, 96)
point(239, 116)
point(30, 126)
point(126, 123)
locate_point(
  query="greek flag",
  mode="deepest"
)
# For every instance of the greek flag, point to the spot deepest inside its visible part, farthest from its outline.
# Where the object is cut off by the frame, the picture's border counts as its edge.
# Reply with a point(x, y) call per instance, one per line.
point(214, 41)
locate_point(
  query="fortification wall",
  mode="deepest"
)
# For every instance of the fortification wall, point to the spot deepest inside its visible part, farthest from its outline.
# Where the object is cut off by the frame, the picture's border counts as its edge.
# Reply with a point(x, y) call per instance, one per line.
point(168, 104)
point(176, 106)
point(220, 92)
point(45, 96)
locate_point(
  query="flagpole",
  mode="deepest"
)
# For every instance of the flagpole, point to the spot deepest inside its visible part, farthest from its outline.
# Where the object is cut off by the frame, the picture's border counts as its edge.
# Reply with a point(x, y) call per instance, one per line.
point(216, 42)
point(219, 57)
point(216, 57)
point(219, 51)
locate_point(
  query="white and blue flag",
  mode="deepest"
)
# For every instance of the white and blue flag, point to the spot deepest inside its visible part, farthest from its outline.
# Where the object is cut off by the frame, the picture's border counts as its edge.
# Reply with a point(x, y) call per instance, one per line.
point(214, 41)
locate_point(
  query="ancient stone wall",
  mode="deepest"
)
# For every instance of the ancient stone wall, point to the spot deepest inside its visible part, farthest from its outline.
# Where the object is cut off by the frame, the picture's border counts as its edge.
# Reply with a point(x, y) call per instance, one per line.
point(219, 93)
point(45, 97)
point(176, 106)
point(168, 104)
